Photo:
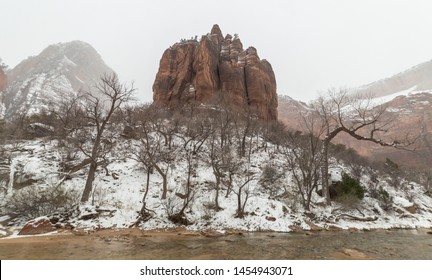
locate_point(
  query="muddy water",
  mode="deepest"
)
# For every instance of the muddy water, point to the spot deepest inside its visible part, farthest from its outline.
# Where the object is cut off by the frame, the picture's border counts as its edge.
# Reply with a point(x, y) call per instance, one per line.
point(395, 244)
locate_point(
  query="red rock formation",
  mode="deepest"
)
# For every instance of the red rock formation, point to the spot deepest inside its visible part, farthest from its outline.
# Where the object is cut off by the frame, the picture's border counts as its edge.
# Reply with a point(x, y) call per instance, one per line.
point(216, 68)
point(37, 226)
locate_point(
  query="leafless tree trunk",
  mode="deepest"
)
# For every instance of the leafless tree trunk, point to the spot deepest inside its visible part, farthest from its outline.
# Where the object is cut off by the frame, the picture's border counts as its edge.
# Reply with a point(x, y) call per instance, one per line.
point(108, 95)
point(151, 151)
point(357, 116)
point(216, 161)
point(304, 158)
point(243, 194)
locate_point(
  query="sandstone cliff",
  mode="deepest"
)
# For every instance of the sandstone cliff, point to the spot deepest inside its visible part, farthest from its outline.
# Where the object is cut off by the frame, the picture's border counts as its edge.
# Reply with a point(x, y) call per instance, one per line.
point(216, 69)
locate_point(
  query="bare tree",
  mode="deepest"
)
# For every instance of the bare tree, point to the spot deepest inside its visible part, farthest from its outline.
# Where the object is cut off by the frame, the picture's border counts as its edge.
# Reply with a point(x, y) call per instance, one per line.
point(188, 191)
point(357, 116)
point(216, 153)
point(3, 66)
point(152, 151)
point(99, 106)
point(245, 125)
point(144, 153)
point(69, 115)
point(243, 191)
point(302, 153)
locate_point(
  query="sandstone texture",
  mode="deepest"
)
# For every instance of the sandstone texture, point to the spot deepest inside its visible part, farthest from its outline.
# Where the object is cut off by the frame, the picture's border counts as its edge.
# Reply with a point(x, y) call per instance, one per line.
point(216, 70)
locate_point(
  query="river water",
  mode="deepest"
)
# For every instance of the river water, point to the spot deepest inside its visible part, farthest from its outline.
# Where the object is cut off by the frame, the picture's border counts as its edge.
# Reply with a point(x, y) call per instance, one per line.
point(383, 244)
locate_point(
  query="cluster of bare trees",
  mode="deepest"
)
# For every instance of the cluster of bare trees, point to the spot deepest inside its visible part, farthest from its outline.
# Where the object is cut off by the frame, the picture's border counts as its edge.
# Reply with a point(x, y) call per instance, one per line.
point(219, 138)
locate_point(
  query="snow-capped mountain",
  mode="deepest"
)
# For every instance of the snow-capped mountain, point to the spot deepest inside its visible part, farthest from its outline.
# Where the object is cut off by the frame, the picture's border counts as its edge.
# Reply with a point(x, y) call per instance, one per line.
point(415, 79)
point(59, 71)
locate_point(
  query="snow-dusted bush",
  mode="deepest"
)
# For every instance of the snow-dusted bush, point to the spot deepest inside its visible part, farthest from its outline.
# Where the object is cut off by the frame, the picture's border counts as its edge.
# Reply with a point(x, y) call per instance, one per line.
point(384, 198)
point(39, 201)
point(270, 179)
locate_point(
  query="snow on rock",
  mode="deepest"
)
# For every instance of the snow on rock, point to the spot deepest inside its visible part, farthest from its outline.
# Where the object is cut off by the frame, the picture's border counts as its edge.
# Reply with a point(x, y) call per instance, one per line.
point(37, 226)
point(44, 81)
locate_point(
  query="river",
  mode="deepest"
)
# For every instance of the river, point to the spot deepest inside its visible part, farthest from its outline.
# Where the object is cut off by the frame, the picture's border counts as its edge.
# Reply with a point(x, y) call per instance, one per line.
point(380, 244)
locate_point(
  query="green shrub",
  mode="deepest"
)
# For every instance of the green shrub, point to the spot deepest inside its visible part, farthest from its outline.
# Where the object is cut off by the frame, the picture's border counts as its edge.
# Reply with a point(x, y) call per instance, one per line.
point(349, 186)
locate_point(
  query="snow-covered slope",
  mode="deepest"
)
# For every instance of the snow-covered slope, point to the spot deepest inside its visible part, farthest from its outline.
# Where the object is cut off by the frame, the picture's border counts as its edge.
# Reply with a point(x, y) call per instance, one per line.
point(417, 78)
point(118, 198)
point(59, 71)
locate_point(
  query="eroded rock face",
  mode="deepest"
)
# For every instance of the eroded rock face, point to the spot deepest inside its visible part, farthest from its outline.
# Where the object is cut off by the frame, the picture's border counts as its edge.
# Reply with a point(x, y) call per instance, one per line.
point(216, 69)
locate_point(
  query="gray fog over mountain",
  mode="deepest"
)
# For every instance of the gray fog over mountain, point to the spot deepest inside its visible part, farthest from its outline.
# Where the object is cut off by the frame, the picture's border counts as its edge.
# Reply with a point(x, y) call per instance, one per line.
point(312, 45)
point(415, 79)
point(60, 71)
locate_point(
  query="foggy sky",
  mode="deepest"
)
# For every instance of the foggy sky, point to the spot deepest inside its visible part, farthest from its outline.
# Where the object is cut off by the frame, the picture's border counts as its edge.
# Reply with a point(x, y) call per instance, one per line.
point(312, 45)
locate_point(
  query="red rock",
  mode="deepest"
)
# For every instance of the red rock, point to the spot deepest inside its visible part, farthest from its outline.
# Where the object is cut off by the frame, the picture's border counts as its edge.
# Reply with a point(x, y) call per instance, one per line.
point(215, 69)
point(37, 226)
point(174, 76)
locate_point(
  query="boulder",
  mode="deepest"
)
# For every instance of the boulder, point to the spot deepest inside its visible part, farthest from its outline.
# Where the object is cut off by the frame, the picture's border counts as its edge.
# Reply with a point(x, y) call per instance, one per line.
point(129, 132)
point(270, 218)
point(216, 70)
point(411, 209)
point(37, 226)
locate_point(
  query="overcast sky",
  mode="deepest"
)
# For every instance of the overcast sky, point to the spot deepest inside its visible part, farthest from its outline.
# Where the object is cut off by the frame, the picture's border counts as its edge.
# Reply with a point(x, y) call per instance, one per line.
point(312, 45)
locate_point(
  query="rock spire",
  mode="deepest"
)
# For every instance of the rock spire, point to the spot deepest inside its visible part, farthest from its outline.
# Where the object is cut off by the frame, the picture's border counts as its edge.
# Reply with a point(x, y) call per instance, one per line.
point(216, 68)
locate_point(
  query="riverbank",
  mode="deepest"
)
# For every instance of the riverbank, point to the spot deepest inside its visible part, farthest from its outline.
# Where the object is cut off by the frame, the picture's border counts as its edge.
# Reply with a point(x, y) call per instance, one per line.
point(180, 243)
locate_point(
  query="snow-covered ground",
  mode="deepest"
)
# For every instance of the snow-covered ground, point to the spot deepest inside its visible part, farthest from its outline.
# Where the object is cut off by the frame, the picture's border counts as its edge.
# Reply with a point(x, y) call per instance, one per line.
point(121, 194)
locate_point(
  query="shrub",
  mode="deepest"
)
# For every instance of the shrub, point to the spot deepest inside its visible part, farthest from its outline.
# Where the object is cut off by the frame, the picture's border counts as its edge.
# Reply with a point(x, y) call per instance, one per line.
point(384, 198)
point(270, 179)
point(33, 202)
point(349, 186)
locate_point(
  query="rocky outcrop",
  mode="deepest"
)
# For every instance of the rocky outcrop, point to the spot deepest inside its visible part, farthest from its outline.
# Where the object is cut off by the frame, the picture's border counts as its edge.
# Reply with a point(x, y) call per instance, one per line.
point(216, 69)
point(37, 226)
point(3, 80)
